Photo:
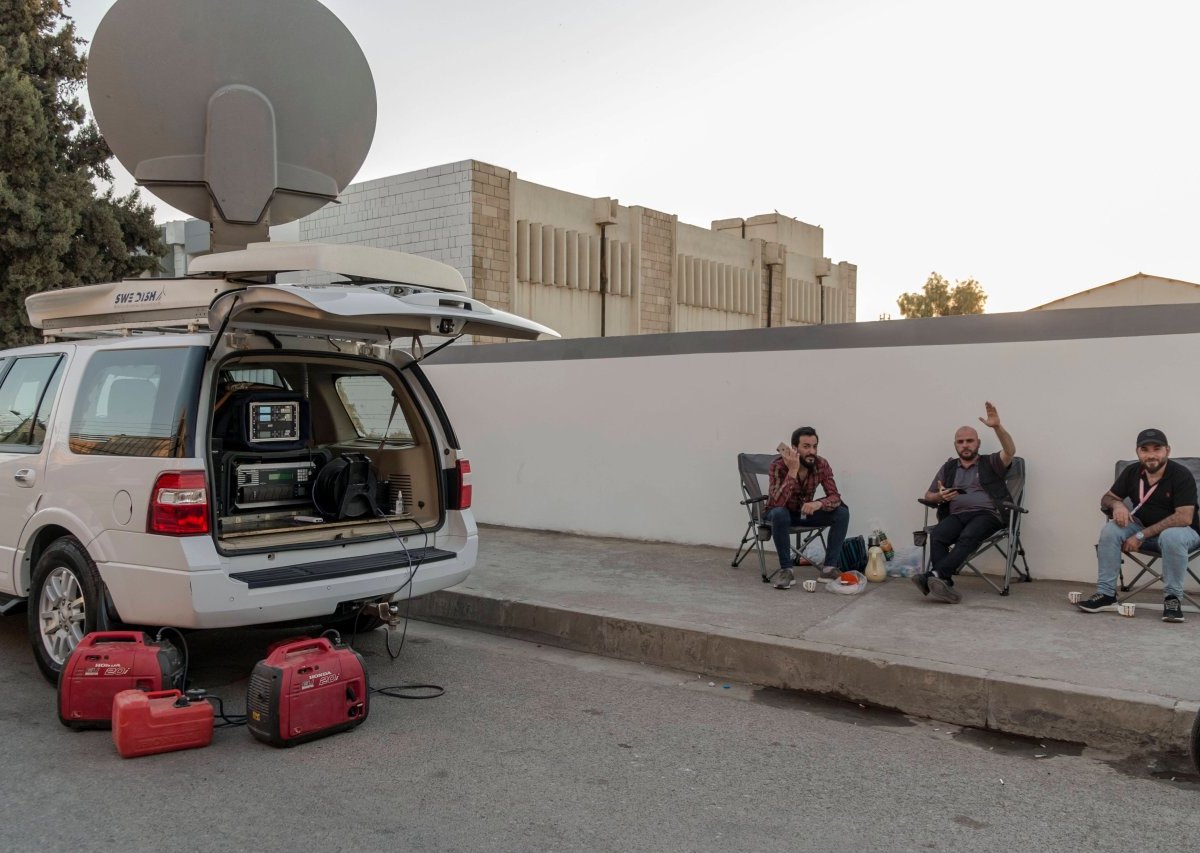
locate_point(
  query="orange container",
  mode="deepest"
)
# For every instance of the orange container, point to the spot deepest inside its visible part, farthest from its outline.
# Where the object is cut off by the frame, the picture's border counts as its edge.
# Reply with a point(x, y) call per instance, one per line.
point(146, 723)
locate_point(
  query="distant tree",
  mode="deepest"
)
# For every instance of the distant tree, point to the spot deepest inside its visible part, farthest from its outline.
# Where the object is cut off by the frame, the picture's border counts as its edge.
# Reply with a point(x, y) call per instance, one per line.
point(938, 299)
point(57, 227)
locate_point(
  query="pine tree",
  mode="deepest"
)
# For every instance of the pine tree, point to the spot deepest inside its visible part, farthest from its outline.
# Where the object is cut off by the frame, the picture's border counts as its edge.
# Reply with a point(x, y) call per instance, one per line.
point(57, 229)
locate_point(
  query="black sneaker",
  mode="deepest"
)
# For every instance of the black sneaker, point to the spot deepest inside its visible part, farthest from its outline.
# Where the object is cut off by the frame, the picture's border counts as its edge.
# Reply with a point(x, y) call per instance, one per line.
point(1098, 603)
point(786, 579)
point(1172, 611)
point(939, 590)
point(922, 582)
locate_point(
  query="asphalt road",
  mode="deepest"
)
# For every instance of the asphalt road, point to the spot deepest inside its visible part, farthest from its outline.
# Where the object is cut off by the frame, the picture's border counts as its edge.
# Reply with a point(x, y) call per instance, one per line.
point(534, 748)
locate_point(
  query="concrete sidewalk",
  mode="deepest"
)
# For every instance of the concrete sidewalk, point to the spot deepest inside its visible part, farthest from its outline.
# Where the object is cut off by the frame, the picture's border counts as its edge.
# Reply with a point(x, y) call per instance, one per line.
point(1029, 663)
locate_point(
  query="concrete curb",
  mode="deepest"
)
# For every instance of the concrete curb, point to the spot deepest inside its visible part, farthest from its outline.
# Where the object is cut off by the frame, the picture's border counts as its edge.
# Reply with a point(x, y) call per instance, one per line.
point(966, 696)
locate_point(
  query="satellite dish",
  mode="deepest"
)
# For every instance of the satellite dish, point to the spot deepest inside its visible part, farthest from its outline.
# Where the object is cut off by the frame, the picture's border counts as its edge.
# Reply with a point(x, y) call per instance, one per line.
point(245, 114)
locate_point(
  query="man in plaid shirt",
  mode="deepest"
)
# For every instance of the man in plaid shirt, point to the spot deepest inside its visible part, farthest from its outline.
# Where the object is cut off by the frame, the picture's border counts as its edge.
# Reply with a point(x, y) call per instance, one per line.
point(795, 475)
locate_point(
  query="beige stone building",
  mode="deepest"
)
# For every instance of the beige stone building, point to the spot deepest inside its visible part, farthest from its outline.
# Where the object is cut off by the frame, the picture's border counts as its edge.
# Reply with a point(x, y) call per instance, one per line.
point(1139, 289)
point(592, 266)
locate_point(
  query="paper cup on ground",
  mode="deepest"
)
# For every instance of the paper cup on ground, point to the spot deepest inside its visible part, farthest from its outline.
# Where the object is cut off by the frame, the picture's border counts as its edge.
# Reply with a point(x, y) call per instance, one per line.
point(1074, 597)
point(810, 585)
point(1127, 609)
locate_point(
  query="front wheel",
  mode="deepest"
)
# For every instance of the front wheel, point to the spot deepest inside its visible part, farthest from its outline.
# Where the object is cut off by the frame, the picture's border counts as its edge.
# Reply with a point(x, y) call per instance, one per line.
point(64, 604)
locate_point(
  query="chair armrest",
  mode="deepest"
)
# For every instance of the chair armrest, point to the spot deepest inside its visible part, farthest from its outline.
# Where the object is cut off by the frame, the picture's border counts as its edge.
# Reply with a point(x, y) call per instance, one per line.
point(930, 504)
point(1012, 507)
point(756, 500)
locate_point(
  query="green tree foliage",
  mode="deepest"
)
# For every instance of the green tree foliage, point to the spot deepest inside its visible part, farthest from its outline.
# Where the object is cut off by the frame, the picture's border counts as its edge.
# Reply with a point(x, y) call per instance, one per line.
point(938, 299)
point(57, 228)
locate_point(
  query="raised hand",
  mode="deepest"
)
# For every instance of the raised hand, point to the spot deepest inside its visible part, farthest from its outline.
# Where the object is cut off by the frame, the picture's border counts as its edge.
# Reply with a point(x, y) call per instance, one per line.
point(993, 417)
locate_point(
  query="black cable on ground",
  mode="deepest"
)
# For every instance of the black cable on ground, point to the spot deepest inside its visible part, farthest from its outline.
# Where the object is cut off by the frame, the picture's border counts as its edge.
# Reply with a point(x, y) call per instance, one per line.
point(395, 691)
point(228, 720)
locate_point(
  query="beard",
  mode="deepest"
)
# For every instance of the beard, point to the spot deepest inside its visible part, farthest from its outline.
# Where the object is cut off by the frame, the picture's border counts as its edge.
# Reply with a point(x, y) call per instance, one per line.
point(967, 454)
point(1152, 465)
point(808, 461)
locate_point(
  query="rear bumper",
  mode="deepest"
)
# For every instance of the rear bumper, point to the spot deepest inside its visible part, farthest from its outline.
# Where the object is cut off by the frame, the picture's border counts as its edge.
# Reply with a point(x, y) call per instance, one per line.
point(210, 596)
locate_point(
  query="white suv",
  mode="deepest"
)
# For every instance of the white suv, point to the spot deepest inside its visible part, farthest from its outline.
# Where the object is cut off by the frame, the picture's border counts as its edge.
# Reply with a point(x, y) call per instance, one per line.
point(222, 451)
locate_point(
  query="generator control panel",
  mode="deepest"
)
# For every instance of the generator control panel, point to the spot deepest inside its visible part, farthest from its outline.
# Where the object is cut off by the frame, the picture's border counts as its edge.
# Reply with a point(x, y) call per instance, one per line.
point(266, 484)
point(274, 421)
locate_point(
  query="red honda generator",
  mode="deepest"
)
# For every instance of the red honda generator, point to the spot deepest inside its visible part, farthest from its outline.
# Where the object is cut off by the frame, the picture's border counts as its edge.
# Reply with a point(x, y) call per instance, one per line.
point(107, 662)
point(306, 689)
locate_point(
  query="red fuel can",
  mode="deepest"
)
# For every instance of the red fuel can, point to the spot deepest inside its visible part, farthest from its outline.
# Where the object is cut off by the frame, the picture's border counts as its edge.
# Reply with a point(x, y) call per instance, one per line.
point(146, 723)
point(107, 662)
point(306, 689)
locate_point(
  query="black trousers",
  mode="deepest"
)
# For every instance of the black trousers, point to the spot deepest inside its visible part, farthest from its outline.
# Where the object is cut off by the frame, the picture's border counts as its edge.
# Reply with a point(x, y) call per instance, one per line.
point(956, 537)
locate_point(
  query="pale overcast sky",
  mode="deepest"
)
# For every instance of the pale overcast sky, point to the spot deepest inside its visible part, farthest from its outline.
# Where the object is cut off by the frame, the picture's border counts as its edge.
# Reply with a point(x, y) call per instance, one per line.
point(1039, 147)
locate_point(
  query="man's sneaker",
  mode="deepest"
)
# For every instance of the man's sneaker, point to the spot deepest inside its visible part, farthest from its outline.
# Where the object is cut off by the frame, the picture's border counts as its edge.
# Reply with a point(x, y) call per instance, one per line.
point(1098, 603)
point(939, 590)
point(828, 573)
point(786, 579)
point(922, 582)
point(1172, 611)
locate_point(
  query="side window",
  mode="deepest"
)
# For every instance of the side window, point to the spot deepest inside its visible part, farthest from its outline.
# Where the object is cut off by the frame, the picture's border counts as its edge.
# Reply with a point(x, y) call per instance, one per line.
point(372, 408)
point(26, 396)
point(253, 376)
point(137, 403)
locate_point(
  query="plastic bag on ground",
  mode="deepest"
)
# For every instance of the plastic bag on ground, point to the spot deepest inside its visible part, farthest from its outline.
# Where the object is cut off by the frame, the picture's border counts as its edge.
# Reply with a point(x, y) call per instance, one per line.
point(840, 588)
point(814, 552)
point(906, 563)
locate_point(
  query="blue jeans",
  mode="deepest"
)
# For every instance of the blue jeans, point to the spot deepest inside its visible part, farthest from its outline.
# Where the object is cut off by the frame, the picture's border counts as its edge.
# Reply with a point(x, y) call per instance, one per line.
point(1175, 543)
point(781, 518)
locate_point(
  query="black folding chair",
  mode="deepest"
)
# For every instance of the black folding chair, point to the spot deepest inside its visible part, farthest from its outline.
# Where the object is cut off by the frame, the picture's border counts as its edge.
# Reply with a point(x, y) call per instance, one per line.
point(1006, 540)
point(754, 470)
point(1149, 554)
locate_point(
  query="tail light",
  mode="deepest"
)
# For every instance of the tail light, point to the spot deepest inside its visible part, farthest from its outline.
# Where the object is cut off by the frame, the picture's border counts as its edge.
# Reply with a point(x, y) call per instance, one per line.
point(462, 476)
point(178, 504)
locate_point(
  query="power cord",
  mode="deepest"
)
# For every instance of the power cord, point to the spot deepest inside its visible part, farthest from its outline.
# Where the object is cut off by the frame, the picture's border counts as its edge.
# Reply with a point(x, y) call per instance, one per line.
point(158, 638)
point(228, 720)
point(402, 691)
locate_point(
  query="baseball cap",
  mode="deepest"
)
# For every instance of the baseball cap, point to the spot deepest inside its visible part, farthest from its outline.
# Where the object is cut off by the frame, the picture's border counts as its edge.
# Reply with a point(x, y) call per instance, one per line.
point(1152, 436)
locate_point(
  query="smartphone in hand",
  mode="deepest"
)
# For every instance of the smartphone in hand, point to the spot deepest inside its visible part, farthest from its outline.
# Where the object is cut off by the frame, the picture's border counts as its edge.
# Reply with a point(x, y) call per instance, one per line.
point(781, 448)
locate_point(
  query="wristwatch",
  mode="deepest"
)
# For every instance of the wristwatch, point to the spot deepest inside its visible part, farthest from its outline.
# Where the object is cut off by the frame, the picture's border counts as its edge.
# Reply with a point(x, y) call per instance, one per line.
point(1140, 536)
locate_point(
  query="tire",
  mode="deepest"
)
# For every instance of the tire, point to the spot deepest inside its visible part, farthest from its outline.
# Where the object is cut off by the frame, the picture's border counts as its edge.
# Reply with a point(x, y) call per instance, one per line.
point(64, 604)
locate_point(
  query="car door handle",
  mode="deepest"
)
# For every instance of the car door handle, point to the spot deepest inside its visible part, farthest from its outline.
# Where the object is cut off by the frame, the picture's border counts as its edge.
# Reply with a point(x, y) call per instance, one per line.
point(25, 475)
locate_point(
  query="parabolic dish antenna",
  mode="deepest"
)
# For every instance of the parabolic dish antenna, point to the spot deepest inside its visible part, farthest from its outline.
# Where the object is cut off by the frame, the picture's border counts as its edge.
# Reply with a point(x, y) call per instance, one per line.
point(246, 113)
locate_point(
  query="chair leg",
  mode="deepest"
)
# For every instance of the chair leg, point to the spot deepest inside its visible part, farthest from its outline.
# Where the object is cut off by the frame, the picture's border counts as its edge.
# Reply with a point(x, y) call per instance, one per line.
point(744, 548)
point(762, 561)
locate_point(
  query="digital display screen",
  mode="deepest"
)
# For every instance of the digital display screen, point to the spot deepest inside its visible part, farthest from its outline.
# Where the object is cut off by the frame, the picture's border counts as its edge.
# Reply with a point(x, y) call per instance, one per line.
point(274, 421)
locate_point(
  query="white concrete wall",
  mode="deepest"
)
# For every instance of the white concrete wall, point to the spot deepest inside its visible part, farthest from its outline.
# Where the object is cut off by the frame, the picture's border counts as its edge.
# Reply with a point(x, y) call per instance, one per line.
point(645, 447)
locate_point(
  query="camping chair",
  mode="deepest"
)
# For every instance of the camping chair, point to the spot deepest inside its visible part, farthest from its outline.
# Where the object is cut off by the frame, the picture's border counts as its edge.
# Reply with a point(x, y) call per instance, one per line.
point(1148, 555)
point(1006, 540)
point(754, 471)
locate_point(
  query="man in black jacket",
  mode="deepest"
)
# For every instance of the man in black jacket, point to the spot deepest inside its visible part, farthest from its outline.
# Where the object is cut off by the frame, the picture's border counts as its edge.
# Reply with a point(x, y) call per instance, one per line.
point(968, 490)
point(1163, 494)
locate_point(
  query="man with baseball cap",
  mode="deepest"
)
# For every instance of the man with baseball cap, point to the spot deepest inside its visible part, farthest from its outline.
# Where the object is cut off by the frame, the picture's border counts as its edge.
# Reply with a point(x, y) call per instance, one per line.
point(1163, 494)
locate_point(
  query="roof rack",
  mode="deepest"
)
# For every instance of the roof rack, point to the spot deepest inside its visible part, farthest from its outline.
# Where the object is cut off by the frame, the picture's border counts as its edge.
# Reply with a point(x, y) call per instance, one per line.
point(126, 307)
point(182, 304)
